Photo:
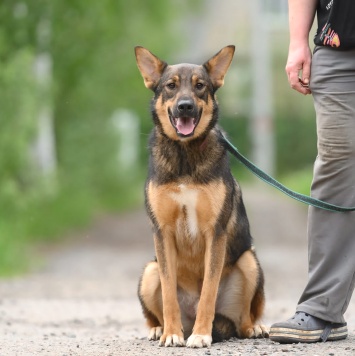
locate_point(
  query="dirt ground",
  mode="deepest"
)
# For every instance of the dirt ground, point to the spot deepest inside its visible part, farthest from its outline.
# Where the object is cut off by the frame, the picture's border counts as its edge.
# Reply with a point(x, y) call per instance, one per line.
point(81, 300)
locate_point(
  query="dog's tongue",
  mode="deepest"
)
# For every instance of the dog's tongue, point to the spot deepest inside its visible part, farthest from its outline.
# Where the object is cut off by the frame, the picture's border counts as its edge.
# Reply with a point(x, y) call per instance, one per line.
point(185, 125)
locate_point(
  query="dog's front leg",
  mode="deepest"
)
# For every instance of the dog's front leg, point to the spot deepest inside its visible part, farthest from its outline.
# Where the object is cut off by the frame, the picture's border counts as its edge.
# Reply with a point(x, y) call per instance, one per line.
point(166, 255)
point(214, 262)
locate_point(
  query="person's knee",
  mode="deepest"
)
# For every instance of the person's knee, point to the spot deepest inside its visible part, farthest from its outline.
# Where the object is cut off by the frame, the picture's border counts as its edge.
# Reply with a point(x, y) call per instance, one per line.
point(338, 150)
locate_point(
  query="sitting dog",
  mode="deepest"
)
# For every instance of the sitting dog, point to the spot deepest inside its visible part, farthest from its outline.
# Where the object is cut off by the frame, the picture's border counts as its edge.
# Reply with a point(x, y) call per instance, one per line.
point(206, 283)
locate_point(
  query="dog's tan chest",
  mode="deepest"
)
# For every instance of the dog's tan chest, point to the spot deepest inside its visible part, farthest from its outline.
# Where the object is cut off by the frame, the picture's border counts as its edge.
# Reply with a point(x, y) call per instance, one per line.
point(187, 222)
point(188, 210)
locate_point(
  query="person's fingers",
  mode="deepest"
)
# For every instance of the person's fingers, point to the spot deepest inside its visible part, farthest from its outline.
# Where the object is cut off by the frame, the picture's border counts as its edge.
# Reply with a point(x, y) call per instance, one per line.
point(305, 85)
point(296, 83)
point(306, 73)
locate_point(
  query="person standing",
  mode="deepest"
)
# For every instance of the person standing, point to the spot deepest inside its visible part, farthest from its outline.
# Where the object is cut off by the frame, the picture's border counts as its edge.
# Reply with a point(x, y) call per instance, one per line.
point(329, 75)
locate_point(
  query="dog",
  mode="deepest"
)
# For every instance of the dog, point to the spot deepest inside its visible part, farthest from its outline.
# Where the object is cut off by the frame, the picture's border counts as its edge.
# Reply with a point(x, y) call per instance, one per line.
point(205, 284)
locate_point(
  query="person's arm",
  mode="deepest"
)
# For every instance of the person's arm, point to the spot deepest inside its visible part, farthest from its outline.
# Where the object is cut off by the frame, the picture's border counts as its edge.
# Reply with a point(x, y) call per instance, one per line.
point(301, 16)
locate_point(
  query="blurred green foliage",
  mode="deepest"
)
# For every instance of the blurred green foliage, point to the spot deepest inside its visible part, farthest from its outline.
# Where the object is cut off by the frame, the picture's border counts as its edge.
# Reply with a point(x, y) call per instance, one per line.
point(18, 104)
point(93, 72)
point(295, 146)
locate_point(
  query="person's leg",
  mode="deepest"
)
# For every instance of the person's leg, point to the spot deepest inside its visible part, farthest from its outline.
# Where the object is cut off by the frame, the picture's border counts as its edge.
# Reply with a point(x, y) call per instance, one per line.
point(331, 235)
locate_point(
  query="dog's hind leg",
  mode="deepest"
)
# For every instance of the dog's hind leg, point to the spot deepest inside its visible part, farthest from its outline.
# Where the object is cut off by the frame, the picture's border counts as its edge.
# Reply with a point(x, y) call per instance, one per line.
point(241, 297)
point(254, 299)
point(149, 293)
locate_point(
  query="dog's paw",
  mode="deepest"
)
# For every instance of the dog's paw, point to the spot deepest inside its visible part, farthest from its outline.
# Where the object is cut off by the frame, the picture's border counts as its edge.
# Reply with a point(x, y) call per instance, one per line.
point(198, 341)
point(155, 333)
point(257, 331)
point(171, 340)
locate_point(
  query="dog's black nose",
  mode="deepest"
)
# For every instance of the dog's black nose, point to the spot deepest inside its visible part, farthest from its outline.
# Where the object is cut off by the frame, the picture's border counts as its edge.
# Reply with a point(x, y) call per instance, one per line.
point(185, 106)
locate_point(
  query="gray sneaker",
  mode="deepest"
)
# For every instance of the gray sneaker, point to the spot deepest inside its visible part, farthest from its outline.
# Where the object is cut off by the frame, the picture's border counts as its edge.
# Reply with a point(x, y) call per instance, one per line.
point(303, 327)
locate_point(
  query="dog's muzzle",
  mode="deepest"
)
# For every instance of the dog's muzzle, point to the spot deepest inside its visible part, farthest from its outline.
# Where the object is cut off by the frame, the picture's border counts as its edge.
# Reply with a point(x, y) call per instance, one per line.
point(184, 117)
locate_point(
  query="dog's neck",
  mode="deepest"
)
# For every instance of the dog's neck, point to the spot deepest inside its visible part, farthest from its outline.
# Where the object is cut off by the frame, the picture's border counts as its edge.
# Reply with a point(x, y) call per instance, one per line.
point(204, 144)
point(192, 146)
point(199, 160)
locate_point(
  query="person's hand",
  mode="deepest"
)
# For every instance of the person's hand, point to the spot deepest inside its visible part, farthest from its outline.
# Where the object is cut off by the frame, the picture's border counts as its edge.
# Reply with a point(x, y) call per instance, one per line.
point(298, 68)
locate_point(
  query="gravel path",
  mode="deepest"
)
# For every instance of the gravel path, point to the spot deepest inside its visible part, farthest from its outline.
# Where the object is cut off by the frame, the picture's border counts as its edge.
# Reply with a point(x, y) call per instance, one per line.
point(82, 299)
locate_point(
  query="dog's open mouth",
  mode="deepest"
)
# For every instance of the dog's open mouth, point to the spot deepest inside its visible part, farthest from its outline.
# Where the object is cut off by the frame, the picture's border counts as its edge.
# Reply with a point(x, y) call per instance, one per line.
point(184, 126)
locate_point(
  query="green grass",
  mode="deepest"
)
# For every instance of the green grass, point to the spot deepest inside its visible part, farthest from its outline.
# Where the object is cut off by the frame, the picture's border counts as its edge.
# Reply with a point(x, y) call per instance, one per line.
point(50, 218)
point(12, 248)
point(299, 181)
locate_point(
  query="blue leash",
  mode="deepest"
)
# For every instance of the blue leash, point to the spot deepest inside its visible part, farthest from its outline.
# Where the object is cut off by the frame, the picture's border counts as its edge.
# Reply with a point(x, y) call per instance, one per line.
point(273, 182)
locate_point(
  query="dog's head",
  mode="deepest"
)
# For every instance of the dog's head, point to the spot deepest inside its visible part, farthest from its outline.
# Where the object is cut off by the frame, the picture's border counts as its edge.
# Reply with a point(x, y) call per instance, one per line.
point(184, 105)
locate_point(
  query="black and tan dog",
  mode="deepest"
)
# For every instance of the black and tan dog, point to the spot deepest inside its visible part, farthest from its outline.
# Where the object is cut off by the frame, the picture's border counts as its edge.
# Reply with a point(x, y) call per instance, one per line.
point(206, 283)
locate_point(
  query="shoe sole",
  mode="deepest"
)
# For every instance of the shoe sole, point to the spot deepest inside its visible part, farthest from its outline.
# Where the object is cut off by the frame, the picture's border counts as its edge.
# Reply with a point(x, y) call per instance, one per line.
point(288, 336)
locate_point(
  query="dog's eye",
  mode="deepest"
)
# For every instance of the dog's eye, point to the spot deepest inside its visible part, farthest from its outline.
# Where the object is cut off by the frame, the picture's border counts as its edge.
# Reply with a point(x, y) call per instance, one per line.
point(200, 86)
point(171, 85)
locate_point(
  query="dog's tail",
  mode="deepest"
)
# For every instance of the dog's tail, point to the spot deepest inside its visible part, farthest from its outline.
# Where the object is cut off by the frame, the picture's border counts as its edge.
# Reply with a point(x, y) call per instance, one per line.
point(223, 328)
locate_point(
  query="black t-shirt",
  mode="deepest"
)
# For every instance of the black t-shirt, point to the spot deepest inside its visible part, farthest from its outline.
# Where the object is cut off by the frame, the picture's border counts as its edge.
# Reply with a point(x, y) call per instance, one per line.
point(336, 23)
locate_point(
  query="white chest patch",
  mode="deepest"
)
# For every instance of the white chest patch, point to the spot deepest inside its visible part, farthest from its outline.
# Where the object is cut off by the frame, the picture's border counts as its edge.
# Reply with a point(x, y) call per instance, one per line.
point(187, 199)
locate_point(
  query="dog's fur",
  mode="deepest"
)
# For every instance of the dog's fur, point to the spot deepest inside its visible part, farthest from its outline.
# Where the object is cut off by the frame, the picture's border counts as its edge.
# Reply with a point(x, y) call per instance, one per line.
point(206, 282)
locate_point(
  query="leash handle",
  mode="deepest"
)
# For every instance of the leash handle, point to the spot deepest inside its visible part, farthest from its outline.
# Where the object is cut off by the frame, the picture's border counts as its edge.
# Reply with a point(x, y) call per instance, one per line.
point(273, 182)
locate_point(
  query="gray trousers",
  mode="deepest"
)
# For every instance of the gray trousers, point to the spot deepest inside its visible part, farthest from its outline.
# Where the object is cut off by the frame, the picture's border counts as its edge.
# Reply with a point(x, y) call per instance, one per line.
point(331, 235)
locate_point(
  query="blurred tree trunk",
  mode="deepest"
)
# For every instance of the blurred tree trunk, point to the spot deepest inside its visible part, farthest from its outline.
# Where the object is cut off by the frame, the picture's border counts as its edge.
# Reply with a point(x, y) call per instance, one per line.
point(262, 125)
point(44, 146)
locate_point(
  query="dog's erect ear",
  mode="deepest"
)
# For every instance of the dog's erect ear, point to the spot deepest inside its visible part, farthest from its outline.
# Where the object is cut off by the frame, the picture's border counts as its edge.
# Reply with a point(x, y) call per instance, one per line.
point(218, 65)
point(150, 66)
